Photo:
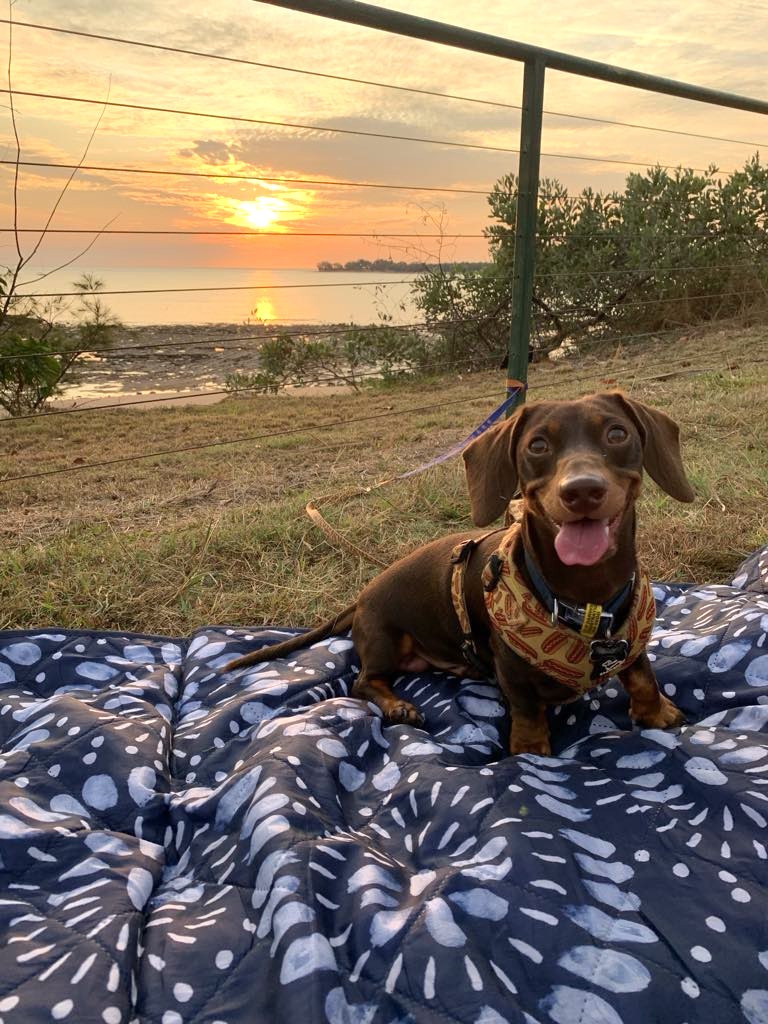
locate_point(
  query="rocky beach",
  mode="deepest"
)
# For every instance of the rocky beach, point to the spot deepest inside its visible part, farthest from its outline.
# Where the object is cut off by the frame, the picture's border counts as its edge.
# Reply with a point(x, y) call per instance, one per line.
point(171, 360)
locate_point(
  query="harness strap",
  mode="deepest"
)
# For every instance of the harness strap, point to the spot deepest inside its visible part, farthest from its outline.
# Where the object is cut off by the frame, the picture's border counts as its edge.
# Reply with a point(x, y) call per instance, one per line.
point(460, 557)
point(560, 650)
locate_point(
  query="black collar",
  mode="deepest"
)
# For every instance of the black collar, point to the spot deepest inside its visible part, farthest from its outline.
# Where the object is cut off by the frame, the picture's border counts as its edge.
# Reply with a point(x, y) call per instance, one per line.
point(591, 621)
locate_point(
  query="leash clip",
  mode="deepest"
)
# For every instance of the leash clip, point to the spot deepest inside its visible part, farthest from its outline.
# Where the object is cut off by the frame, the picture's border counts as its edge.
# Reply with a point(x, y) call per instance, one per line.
point(470, 655)
point(495, 566)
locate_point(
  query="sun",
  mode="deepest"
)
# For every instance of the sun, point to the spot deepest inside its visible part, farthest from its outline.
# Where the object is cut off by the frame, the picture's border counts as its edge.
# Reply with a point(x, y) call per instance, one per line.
point(260, 213)
point(276, 211)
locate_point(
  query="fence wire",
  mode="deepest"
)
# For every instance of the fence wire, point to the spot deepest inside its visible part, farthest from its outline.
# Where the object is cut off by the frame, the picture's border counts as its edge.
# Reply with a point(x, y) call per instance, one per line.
point(171, 233)
point(215, 288)
point(320, 332)
point(375, 83)
point(333, 130)
point(341, 379)
point(329, 425)
point(105, 104)
point(238, 340)
point(256, 176)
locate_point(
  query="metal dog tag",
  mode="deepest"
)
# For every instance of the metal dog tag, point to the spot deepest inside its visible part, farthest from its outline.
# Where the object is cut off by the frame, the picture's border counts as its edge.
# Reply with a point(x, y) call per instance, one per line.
point(607, 656)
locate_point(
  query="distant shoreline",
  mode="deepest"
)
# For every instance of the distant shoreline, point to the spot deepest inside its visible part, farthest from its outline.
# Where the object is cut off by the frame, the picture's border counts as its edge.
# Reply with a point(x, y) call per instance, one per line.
point(393, 267)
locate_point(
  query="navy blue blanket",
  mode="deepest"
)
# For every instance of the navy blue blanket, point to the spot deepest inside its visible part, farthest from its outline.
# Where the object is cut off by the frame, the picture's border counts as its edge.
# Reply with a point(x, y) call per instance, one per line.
point(182, 845)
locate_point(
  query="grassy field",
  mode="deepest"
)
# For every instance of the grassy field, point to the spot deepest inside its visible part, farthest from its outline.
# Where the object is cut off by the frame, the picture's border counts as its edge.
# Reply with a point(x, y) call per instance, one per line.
point(167, 544)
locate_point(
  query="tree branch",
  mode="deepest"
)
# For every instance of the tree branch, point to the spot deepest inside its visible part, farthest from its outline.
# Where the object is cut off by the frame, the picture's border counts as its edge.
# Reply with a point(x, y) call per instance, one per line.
point(67, 183)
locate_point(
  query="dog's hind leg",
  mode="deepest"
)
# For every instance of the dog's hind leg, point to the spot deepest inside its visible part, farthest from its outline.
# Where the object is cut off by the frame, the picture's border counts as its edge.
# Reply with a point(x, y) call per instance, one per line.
point(382, 651)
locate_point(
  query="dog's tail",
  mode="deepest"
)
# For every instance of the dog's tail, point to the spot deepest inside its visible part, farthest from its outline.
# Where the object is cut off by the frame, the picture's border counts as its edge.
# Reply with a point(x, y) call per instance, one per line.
point(340, 623)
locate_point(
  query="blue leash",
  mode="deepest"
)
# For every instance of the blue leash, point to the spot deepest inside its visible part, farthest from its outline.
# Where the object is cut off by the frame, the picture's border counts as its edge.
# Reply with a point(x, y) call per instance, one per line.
point(457, 448)
point(314, 513)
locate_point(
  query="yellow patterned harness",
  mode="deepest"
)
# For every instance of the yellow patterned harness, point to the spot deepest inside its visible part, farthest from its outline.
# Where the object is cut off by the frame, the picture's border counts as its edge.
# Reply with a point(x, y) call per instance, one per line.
point(527, 627)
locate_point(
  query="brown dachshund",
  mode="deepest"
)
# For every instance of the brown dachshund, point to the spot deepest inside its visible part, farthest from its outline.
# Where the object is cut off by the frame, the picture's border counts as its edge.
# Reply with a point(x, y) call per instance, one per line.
point(550, 607)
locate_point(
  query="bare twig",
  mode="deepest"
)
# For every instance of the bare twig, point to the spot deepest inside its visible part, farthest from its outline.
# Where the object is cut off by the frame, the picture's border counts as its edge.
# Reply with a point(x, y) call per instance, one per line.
point(74, 259)
point(68, 182)
point(20, 391)
point(23, 260)
point(17, 162)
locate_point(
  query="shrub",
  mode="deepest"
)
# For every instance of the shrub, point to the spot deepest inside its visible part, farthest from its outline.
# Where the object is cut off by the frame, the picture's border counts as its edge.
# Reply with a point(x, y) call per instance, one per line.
point(40, 343)
point(354, 358)
point(673, 249)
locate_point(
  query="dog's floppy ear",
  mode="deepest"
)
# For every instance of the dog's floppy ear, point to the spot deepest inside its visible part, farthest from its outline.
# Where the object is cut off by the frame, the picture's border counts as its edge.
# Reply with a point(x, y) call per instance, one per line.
point(491, 469)
point(661, 447)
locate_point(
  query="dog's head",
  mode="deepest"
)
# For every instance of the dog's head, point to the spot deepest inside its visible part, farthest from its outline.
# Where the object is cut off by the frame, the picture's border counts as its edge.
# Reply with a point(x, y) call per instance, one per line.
point(578, 465)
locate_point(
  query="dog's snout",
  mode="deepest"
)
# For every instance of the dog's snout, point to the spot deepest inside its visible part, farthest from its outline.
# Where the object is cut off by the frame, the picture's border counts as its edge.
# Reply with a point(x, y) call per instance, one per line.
point(583, 493)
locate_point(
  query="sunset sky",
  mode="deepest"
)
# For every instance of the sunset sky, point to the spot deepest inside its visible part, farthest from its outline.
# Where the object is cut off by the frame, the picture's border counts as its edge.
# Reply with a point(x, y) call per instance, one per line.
point(702, 41)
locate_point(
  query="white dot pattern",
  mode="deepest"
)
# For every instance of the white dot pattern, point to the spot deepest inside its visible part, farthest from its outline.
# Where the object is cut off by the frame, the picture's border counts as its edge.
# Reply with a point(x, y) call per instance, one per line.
point(187, 844)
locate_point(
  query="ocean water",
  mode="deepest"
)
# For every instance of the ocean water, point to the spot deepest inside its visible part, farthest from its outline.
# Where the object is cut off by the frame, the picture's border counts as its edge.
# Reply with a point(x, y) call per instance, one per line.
point(236, 295)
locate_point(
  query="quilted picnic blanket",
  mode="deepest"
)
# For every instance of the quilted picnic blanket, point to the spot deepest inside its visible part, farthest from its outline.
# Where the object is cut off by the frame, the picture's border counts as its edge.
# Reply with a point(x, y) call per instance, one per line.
point(179, 844)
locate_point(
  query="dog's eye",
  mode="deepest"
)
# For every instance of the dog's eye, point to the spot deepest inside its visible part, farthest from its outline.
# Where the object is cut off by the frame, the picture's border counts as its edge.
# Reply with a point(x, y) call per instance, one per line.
point(616, 435)
point(538, 446)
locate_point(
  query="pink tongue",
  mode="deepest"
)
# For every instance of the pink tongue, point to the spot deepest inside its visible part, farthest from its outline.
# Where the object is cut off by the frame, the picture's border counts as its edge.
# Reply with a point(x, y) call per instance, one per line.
point(582, 543)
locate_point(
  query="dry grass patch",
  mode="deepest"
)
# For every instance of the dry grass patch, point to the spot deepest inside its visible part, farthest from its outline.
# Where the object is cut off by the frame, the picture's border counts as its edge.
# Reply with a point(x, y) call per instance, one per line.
point(169, 543)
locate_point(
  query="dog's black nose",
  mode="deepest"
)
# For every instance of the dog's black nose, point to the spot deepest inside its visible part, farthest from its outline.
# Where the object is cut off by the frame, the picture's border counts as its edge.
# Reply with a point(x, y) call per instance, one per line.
point(583, 494)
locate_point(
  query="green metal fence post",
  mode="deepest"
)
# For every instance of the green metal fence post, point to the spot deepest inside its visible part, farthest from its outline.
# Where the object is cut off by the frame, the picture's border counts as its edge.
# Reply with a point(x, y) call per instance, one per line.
point(525, 226)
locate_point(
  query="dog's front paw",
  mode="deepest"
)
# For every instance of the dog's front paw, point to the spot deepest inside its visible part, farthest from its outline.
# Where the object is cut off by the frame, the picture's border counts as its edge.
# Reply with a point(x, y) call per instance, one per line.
point(542, 747)
point(401, 712)
point(525, 739)
point(666, 716)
